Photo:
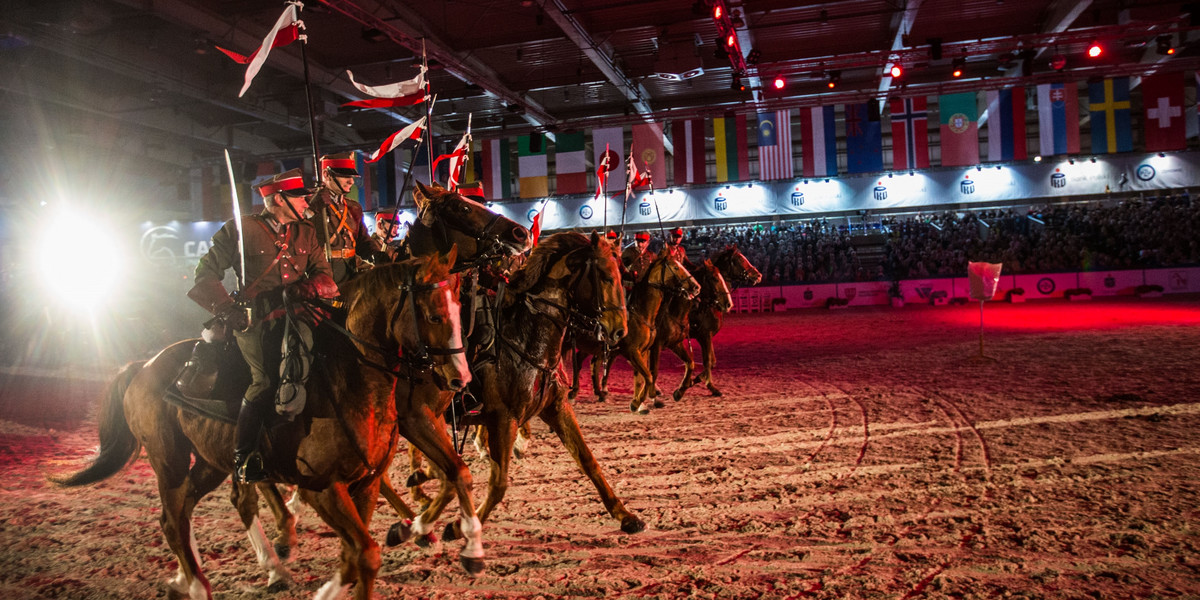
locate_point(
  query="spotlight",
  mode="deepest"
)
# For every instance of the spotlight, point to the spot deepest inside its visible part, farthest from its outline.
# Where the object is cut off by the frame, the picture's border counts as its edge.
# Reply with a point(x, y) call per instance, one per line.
point(835, 77)
point(730, 40)
point(779, 82)
point(1058, 62)
point(1095, 50)
point(1037, 158)
point(897, 71)
point(957, 66)
point(718, 12)
point(1164, 45)
point(737, 84)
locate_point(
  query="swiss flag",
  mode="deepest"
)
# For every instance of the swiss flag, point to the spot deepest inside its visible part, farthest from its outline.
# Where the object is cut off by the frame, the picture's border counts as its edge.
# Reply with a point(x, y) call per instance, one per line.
point(1162, 99)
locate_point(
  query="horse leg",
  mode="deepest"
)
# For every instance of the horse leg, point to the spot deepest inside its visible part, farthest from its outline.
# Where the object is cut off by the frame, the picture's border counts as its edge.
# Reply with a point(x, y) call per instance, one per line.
point(360, 554)
point(285, 521)
point(245, 499)
point(576, 365)
point(417, 476)
point(683, 349)
point(599, 387)
point(396, 534)
point(524, 438)
point(642, 381)
point(655, 354)
point(431, 437)
point(502, 432)
point(179, 492)
point(709, 352)
point(561, 419)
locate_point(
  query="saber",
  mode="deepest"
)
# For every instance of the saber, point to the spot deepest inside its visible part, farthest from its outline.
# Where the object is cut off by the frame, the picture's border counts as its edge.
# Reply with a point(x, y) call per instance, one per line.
point(237, 221)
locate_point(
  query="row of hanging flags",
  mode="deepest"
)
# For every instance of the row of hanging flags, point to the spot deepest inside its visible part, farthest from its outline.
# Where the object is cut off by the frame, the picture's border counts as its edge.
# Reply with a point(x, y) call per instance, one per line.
point(1108, 105)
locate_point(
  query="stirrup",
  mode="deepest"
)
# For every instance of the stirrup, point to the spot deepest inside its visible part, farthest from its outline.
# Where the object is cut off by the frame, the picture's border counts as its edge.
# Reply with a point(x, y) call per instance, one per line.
point(249, 468)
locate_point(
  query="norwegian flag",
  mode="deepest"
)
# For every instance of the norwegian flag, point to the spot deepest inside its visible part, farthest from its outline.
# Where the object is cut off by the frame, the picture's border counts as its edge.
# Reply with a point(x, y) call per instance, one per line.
point(401, 93)
point(412, 132)
point(288, 19)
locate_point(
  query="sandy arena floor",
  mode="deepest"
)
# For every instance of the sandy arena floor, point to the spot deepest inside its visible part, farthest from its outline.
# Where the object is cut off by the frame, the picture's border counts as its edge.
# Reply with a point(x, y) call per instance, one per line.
point(857, 453)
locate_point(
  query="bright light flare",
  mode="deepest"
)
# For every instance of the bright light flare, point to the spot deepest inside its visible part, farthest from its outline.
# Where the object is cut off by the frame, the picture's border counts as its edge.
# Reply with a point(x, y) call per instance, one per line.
point(80, 269)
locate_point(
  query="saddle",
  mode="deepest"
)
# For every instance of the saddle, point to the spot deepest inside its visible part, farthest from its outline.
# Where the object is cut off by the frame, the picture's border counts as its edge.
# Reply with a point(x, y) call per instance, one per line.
point(212, 382)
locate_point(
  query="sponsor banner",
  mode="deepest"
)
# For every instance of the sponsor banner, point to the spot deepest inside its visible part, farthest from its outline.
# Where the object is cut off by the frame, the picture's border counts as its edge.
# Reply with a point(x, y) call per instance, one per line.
point(959, 186)
point(1047, 286)
point(808, 296)
point(1175, 281)
point(1111, 283)
point(864, 293)
point(923, 290)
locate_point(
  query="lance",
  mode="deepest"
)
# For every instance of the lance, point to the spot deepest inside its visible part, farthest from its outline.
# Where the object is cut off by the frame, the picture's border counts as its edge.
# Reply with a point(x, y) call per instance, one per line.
point(426, 135)
point(428, 110)
point(237, 222)
point(312, 129)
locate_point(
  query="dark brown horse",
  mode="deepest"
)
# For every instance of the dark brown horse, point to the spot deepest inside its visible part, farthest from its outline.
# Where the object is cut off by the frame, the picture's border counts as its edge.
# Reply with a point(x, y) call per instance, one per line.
point(705, 321)
point(665, 277)
point(568, 278)
point(396, 374)
point(674, 324)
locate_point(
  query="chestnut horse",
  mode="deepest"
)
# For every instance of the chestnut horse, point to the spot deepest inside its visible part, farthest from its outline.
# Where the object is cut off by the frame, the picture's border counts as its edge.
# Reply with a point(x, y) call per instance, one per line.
point(674, 325)
point(705, 321)
point(568, 278)
point(401, 357)
point(664, 277)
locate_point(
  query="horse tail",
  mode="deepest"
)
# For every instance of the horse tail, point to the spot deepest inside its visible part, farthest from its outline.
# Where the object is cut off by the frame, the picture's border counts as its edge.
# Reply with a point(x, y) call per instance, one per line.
point(118, 445)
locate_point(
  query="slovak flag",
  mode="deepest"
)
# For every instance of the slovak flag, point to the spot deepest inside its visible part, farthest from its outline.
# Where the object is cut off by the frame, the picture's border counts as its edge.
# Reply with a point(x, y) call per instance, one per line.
point(401, 93)
point(1162, 96)
point(1058, 118)
point(412, 132)
point(285, 20)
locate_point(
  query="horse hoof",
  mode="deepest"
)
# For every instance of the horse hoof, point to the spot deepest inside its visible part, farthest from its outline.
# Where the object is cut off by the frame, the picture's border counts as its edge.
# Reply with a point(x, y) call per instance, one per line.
point(398, 533)
point(643, 409)
point(715, 392)
point(282, 585)
point(677, 395)
point(283, 551)
point(425, 541)
point(416, 479)
point(601, 397)
point(658, 403)
point(632, 524)
point(450, 533)
point(571, 395)
point(473, 566)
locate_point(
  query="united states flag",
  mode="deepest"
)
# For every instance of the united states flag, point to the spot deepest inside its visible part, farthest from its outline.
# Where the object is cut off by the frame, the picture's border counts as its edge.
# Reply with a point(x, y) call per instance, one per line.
point(775, 145)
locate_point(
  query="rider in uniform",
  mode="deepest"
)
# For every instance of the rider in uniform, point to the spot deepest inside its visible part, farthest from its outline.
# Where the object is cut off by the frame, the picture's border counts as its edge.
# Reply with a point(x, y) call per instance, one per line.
point(386, 247)
point(282, 251)
point(674, 246)
point(637, 256)
point(339, 218)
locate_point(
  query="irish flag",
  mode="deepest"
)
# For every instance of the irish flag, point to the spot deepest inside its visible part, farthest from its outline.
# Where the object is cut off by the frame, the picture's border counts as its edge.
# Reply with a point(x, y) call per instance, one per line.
point(531, 166)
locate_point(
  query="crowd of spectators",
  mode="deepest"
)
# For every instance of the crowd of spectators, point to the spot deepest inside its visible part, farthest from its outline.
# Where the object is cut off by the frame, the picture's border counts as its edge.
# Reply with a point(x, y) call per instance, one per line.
point(1122, 234)
point(1129, 234)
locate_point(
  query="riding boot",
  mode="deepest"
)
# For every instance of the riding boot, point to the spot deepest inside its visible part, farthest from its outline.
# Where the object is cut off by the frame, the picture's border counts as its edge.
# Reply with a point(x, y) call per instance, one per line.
point(199, 374)
point(247, 461)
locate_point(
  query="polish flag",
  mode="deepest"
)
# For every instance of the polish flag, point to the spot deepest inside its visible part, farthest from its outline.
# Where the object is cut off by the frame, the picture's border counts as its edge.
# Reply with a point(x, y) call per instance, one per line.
point(289, 34)
point(286, 20)
point(412, 132)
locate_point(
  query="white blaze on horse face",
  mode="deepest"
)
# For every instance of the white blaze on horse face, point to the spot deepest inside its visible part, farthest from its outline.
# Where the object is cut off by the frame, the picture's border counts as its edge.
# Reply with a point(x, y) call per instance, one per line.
point(458, 362)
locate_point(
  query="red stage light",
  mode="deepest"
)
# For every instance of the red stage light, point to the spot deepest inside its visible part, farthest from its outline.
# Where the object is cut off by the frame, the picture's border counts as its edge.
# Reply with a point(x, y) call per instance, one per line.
point(718, 12)
point(956, 73)
point(731, 40)
point(831, 85)
point(897, 71)
point(780, 82)
point(1094, 51)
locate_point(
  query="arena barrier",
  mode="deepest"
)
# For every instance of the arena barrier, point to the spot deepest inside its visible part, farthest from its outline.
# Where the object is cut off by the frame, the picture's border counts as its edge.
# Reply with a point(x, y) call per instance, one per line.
point(945, 289)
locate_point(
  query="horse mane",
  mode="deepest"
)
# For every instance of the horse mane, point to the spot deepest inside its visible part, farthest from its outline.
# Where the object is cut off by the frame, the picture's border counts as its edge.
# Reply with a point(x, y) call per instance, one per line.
point(543, 257)
point(725, 254)
point(384, 279)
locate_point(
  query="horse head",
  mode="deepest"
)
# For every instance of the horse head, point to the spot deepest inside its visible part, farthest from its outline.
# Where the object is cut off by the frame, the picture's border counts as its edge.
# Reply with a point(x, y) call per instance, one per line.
point(670, 275)
point(446, 219)
point(581, 276)
point(736, 268)
point(409, 310)
point(714, 285)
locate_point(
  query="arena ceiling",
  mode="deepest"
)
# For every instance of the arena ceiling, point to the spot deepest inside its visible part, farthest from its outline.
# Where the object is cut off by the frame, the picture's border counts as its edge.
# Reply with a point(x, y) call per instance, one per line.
point(144, 76)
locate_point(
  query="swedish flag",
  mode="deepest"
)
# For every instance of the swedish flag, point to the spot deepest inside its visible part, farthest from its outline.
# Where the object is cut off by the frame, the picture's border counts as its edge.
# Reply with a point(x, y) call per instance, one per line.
point(1108, 102)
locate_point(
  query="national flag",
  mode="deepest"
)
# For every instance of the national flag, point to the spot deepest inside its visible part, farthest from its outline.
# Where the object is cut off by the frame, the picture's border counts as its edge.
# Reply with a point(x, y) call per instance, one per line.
point(1109, 104)
point(864, 138)
point(460, 158)
point(733, 156)
point(497, 170)
point(1058, 118)
point(688, 138)
point(570, 165)
point(531, 166)
point(535, 230)
point(818, 141)
point(648, 139)
point(284, 37)
point(392, 90)
point(611, 141)
point(775, 145)
point(910, 133)
point(959, 118)
point(412, 132)
point(285, 20)
point(1162, 96)
point(1006, 124)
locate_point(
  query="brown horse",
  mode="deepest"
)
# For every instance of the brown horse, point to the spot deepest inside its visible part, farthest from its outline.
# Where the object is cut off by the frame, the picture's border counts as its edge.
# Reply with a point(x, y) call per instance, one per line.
point(674, 325)
point(705, 321)
point(568, 278)
point(665, 277)
point(401, 318)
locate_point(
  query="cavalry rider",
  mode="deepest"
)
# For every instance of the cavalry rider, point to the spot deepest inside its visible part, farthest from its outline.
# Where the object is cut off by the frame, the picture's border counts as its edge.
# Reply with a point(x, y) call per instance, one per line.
point(674, 246)
point(282, 251)
point(339, 218)
point(386, 248)
point(637, 256)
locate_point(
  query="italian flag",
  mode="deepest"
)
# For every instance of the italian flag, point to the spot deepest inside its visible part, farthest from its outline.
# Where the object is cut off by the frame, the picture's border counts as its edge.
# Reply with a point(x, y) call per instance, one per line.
point(569, 164)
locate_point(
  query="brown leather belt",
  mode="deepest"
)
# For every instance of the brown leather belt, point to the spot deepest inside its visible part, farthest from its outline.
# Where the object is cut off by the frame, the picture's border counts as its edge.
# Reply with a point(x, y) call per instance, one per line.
point(344, 253)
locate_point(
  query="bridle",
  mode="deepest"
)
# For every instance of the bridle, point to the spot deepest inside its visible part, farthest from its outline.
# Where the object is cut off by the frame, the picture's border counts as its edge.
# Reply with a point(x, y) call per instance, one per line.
point(708, 297)
point(667, 290)
point(587, 324)
point(488, 246)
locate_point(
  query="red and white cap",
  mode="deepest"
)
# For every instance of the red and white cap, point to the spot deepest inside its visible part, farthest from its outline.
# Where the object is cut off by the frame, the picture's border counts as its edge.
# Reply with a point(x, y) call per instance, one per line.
point(642, 236)
point(288, 182)
point(341, 164)
point(677, 231)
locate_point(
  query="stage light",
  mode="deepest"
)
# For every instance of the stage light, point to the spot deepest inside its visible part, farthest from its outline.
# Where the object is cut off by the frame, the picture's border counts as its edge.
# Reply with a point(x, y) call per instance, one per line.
point(1095, 50)
point(1058, 62)
point(718, 12)
point(737, 84)
point(1164, 45)
point(730, 40)
point(957, 64)
point(835, 77)
point(779, 82)
point(897, 71)
point(1037, 158)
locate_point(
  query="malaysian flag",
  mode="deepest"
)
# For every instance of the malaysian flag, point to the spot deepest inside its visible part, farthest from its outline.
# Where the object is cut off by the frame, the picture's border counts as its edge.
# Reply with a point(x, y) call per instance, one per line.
point(775, 145)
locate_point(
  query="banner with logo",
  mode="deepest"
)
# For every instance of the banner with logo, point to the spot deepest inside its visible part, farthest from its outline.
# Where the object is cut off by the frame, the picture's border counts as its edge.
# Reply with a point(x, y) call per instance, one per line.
point(931, 188)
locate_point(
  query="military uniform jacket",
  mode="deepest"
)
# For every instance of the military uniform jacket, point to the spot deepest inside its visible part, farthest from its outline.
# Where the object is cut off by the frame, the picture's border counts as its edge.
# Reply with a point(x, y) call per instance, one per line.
point(636, 261)
point(344, 226)
point(296, 246)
